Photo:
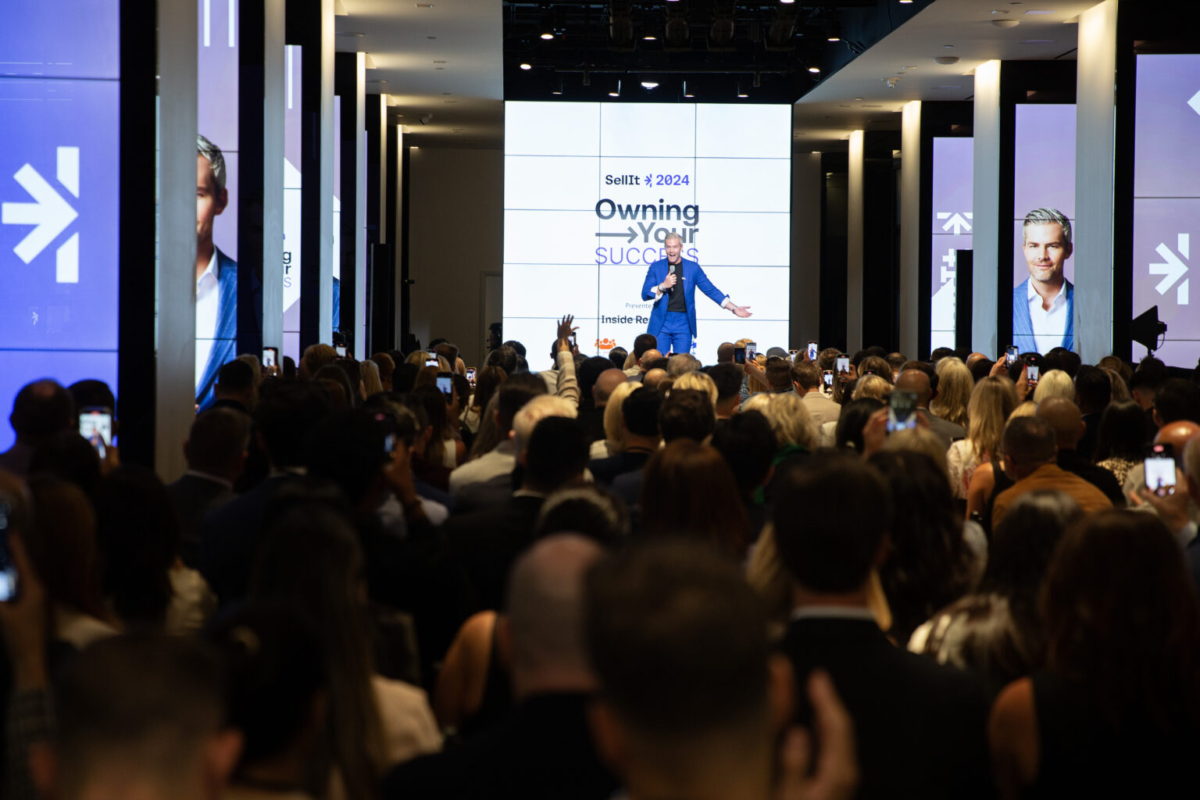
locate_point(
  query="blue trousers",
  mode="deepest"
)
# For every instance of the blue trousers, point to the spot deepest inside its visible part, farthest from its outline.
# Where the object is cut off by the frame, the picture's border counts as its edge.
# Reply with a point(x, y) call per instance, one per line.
point(676, 334)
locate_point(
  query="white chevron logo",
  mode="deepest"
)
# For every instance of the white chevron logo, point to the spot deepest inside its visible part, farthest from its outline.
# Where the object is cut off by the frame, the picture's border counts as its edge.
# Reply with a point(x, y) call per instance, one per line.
point(50, 214)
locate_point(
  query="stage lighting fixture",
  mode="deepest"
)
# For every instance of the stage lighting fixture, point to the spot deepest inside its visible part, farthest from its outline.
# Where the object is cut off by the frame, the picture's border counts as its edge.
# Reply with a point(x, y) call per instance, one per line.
point(558, 86)
point(546, 27)
point(689, 91)
point(1147, 331)
point(525, 65)
point(833, 31)
point(615, 89)
point(740, 91)
point(815, 70)
point(677, 32)
point(649, 83)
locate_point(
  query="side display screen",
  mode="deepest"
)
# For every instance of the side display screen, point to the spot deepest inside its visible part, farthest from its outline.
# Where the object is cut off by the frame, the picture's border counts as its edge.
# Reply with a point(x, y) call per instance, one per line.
point(291, 205)
point(60, 172)
point(216, 194)
point(1166, 205)
point(953, 182)
point(1043, 310)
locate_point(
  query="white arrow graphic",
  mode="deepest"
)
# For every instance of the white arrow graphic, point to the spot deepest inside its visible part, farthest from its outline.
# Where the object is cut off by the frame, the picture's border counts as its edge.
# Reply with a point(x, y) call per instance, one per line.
point(51, 214)
point(1172, 268)
point(955, 221)
point(1195, 102)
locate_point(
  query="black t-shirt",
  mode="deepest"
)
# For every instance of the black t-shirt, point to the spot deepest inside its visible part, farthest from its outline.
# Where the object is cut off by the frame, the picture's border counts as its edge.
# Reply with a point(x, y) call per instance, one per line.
point(675, 298)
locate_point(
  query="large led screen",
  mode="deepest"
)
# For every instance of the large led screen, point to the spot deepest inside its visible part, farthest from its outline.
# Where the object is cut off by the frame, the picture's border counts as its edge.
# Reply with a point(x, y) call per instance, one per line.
point(216, 194)
point(59, 180)
point(953, 182)
point(592, 189)
point(1166, 205)
point(1043, 310)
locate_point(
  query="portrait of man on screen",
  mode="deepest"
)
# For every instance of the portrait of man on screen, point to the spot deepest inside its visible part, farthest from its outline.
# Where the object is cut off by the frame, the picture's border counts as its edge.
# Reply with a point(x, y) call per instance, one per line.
point(216, 275)
point(1043, 304)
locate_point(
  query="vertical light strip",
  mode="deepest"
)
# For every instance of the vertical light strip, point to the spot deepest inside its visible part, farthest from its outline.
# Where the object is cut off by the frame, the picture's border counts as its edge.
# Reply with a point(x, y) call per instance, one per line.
point(289, 74)
point(910, 227)
point(985, 199)
point(207, 22)
point(232, 20)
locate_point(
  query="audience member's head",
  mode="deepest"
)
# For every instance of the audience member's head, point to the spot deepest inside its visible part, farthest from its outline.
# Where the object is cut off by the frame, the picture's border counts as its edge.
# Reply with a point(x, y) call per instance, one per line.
point(1063, 359)
point(789, 419)
point(920, 440)
point(1065, 419)
point(728, 380)
point(284, 417)
point(545, 616)
point(698, 381)
point(1177, 434)
point(1055, 383)
point(1122, 433)
point(1177, 399)
point(1093, 389)
point(617, 356)
point(682, 364)
point(217, 443)
point(533, 412)
point(1146, 379)
point(806, 377)
point(852, 420)
point(387, 367)
point(1028, 443)
point(873, 387)
point(639, 415)
point(556, 454)
point(779, 374)
point(347, 449)
point(874, 365)
point(277, 692)
point(917, 382)
point(587, 509)
point(832, 517)
point(372, 381)
point(92, 393)
point(896, 361)
point(748, 445)
point(650, 359)
point(513, 394)
point(689, 491)
point(688, 688)
point(725, 353)
point(981, 369)
point(687, 413)
point(140, 716)
point(68, 456)
point(1022, 546)
point(487, 382)
point(654, 377)
point(62, 546)
point(614, 432)
point(40, 410)
point(993, 401)
point(954, 387)
point(1122, 622)
point(606, 383)
point(316, 356)
point(138, 535)
point(643, 343)
point(928, 566)
point(587, 374)
point(503, 357)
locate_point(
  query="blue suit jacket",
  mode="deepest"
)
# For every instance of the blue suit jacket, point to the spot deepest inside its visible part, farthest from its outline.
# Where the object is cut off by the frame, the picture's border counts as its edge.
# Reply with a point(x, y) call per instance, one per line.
point(692, 276)
point(1023, 336)
point(224, 347)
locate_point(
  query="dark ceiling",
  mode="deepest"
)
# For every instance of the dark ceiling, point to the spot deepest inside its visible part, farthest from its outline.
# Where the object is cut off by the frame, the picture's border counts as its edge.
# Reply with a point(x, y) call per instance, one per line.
point(706, 50)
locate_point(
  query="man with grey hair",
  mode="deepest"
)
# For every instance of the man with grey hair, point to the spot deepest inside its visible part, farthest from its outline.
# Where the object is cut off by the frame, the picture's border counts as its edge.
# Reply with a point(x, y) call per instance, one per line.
point(1044, 303)
point(673, 320)
point(216, 277)
point(543, 748)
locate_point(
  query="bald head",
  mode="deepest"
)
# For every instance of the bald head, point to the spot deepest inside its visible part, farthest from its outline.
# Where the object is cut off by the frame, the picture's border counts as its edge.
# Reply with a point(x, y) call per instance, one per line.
point(1065, 418)
point(653, 378)
point(725, 353)
point(606, 384)
point(545, 615)
point(917, 382)
point(649, 357)
point(1177, 435)
point(974, 359)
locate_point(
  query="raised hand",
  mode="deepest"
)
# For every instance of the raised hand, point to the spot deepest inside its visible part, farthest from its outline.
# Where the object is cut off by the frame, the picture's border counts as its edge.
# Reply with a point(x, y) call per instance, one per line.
point(742, 311)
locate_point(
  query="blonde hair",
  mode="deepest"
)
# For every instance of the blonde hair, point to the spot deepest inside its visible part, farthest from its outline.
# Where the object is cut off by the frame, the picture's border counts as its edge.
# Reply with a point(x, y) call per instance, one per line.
point(1026, 409)
point(1054, 383)
point(418, 358)
point(954, 391)
point(631, 361)
point(873, 386)
point(1120, 389)
point(992, 403)
point(788, 417)
point(370, 377)
point(614, 417)
point(697, 380)
point(535, 411)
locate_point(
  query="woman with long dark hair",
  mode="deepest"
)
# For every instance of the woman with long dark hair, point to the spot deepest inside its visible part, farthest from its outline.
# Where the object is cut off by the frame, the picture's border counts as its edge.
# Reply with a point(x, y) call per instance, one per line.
point(1121, 440)
point(1116, 712)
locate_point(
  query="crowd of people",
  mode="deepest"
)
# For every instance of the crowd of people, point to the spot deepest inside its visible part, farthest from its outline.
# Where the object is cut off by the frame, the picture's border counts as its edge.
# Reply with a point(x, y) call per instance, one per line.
point(630, 575)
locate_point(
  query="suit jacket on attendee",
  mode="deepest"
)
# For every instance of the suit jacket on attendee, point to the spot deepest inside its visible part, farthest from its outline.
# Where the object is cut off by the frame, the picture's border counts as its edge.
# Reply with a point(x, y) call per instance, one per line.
point(1074, 462)
point(607, 470)
point(1050, 476)
point(948, 432)
point(486, 543)
point(1023, 336)
point(224, 347)
point(821, 408)
point(195, 495)
point(592, 420)
point(1091, 431)
point(920, 728)
point(541, 751)
point(688, 276)
point(231, 536)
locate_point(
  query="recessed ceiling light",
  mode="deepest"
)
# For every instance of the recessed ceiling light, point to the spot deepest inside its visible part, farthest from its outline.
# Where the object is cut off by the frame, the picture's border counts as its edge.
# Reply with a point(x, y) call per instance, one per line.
point(424, 5)
point(447, 93)
point(1006, 23)
point(816, 152)
point(814, 70)
point(859, 99)
point(910, 67)
point(526, 66)
point(1038, 41)
point(1029, 13)
point(947, 47)
point(439, 62)
point(905, 2)
point(650, 38)
point(431, 38)
point(547, 36)
point(649, 84)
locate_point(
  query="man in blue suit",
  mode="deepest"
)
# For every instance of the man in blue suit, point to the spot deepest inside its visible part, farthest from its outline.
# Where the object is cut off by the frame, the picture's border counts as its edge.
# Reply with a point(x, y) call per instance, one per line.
point(216, 277)
point(671, 283)
point(1044, 303)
